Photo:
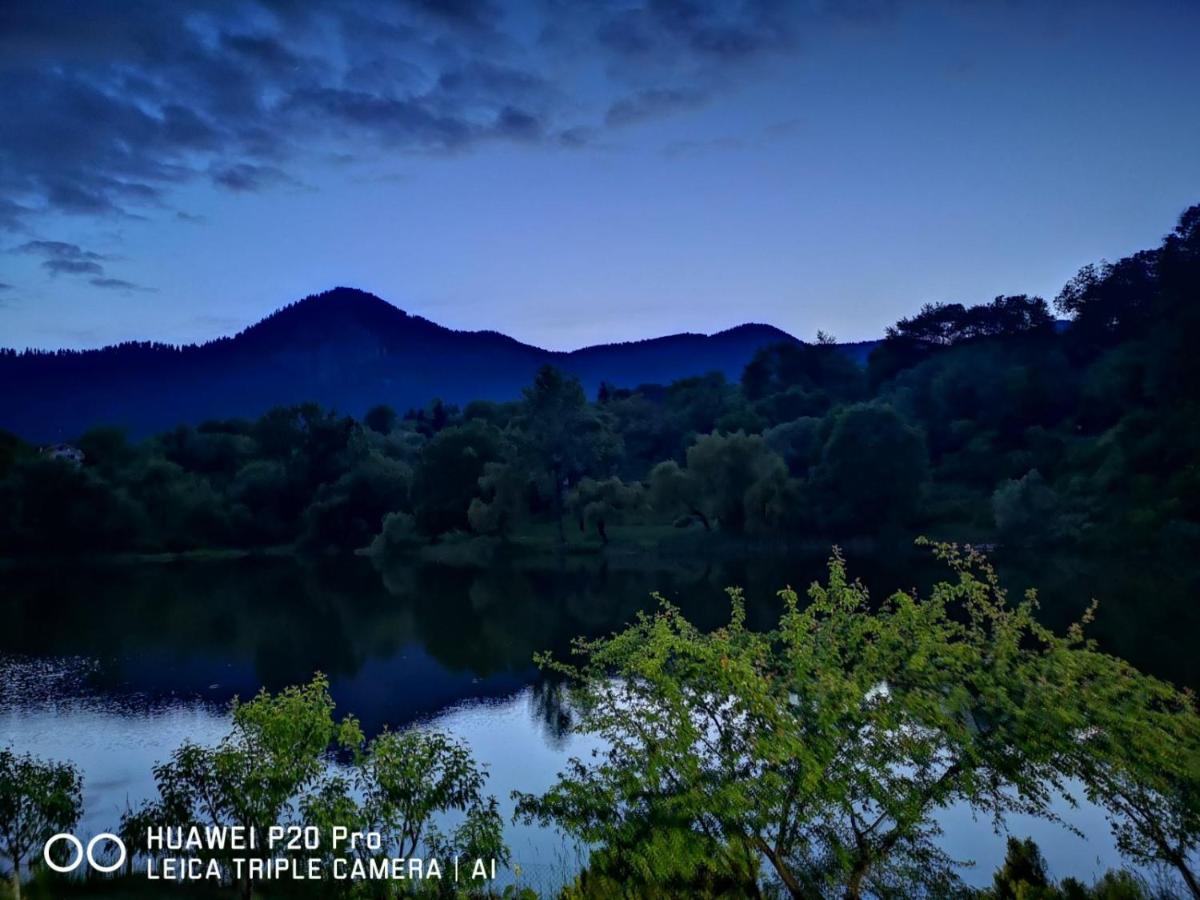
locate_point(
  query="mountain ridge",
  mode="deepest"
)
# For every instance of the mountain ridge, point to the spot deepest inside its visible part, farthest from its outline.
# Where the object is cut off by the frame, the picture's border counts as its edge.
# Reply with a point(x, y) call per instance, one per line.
point(344, 348)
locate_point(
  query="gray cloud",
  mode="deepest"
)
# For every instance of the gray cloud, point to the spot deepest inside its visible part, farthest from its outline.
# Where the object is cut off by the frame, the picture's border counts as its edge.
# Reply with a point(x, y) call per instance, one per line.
point(651, 103)
point(72, 267)
point(246, 177)
point(61, 258)
point(116, 104)
point(668, 29)
point(118, 284)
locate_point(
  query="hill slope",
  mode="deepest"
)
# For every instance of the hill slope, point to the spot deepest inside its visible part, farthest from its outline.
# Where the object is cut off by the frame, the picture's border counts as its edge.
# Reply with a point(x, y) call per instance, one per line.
point(344, 348)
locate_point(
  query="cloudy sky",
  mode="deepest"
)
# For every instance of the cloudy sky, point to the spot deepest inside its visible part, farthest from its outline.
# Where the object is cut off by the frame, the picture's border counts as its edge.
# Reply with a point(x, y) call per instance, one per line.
point(577, 172)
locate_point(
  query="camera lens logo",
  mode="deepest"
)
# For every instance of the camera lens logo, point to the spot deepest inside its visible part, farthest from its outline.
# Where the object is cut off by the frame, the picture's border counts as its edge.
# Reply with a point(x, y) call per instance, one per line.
point(80, 853)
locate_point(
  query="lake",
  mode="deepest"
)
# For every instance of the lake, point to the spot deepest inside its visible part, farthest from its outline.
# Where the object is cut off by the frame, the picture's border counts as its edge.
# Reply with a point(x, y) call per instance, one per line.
point(112, 666)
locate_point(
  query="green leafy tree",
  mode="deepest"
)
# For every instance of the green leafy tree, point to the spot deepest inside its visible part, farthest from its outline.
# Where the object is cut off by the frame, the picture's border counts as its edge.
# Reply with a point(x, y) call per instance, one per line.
point(183, 508)
point(674, 490)
point(561, 437)
point(501, 505)
point(789, 380)
point(1139, 757)
point(600, 503)
point(12, 450)
point(406, 779)
point(873, 467)
point(349, 512)
point(381, 419)
point(53, 507)
point(446, 479)
point(724, 468)
point(37, 800)
point(399, 533)
point(943, 324)
point(825, 746)
point(1025, 876)
point(799, 442)
point(107, 449)
point(1029, 513)
point(275, 752)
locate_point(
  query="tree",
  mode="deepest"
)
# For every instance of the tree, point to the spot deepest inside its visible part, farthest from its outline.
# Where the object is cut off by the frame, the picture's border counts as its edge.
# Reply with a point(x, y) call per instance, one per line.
point(698, 405)
point(399, 533)
point(873, 467)
point(799, 442)
point(407, 777)
point(1139, 758)
point(275, 751)
point(673, 490)
point(945, 324)
point(52, 507)
point(37, 800)
point(107, 448)
point(397, 786)
point(502, 502)
point(597, 503)
point(819, 372)
point(447, 476)
point(1028, 512)
point(1024, 876)
point(938, 324)
point(349, 512)
point(728, 466)
point(12, 450)
point(1112, 300)
point(381, 418)
point(1009, 316)
point(824, 746)
point(560, 437)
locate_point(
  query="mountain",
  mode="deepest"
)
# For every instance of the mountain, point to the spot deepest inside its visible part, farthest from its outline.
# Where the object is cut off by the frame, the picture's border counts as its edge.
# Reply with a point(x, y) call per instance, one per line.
point(345, 349)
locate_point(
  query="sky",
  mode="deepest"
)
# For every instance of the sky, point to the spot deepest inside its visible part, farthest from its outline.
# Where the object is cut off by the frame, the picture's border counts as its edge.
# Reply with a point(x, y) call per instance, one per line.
point(572, 173)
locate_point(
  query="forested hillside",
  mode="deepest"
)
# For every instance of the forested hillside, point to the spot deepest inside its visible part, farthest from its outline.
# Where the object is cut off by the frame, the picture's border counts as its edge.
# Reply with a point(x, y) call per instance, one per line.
point(344, 349)
point(986, 423)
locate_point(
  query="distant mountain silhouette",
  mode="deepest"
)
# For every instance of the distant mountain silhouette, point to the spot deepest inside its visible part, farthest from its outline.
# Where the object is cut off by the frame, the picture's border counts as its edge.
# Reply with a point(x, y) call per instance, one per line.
point(344, 348)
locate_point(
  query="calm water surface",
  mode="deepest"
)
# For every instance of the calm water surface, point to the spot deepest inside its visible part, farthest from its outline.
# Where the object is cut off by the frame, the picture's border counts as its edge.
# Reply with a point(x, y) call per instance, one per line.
point(112, 667)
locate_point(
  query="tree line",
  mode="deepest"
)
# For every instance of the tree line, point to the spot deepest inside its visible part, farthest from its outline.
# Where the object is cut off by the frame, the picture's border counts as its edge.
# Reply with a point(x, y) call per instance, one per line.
point(992, 422)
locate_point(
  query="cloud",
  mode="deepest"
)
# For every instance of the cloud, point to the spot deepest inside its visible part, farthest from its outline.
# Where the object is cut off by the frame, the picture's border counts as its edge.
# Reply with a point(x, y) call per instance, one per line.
point(118, 284)
point(11, 215)
point(721, 32)
point(247, 177)
point(113, 108)
point(72, 267)
point(61, 258)
point(651, 103)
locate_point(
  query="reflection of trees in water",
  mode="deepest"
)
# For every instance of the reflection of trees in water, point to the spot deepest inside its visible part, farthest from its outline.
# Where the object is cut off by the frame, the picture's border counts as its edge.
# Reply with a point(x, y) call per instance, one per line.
point(550, 709)
point(1146, 611)
point(273, 622)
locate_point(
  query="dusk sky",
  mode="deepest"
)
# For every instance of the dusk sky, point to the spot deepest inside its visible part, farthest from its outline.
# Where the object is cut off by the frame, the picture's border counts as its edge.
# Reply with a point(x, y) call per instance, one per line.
point(577, 172)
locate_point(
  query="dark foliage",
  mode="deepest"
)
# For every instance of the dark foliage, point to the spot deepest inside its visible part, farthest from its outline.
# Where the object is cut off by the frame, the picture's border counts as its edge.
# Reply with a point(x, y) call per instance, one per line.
point(985, 423)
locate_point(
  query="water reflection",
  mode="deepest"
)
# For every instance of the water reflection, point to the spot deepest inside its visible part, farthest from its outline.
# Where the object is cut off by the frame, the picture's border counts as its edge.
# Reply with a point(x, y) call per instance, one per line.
point(113, 666)
point(410, 640)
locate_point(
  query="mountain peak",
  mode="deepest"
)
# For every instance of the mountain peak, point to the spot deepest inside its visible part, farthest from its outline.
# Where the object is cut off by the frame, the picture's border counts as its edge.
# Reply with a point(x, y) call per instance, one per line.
point(344, 348)
point(335, 314)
